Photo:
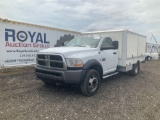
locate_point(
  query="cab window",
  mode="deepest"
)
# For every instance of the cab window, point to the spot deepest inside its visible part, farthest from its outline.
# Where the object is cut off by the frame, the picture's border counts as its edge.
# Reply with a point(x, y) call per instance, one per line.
point(107, 42)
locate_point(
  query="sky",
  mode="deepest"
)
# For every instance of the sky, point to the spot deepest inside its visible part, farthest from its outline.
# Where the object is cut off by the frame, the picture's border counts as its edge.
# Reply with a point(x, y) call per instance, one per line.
point(140, 16)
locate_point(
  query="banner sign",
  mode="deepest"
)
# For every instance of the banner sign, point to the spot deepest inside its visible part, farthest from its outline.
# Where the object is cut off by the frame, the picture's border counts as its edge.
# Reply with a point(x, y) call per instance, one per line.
point(20, 44)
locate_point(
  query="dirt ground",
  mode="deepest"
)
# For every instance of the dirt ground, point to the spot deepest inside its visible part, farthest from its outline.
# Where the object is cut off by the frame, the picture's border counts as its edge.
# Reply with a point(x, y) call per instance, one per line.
point(121, 97)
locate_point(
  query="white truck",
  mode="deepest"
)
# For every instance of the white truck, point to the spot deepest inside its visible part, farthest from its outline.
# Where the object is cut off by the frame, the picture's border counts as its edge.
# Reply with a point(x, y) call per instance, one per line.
point(152, 51)
point(91, 57)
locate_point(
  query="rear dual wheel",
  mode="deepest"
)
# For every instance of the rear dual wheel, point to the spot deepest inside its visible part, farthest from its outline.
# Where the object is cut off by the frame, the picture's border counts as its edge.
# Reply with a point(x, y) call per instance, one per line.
point(135, 69)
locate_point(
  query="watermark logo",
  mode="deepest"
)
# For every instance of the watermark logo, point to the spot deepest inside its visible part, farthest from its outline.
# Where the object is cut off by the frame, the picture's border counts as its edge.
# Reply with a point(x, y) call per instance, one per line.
point(22, 36)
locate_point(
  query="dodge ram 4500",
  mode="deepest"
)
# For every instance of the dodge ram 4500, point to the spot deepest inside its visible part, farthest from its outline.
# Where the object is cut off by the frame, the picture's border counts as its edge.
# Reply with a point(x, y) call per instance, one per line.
point(88, 59)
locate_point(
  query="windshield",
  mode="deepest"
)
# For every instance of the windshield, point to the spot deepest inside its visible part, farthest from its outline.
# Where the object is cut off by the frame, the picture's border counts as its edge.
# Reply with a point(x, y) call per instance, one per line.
point(84, 42)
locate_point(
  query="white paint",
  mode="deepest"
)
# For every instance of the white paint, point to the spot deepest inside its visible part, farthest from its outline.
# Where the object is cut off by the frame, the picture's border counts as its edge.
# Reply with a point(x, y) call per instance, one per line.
point(153, 50)
point(131, 45)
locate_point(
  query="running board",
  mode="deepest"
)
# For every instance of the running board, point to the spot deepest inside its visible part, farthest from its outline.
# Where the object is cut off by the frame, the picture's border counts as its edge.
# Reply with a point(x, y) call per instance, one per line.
point(106, 76)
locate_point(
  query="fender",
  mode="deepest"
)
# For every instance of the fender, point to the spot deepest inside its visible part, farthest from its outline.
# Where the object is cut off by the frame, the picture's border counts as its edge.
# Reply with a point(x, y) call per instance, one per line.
point(88, 65)
point(91, 63)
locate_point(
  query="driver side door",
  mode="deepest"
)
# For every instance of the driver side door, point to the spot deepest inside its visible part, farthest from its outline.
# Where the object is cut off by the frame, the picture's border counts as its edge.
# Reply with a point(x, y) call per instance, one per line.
point(109, 56)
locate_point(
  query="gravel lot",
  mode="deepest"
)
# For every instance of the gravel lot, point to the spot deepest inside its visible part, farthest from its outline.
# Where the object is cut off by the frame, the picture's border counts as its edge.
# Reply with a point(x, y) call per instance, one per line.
point(121, 97)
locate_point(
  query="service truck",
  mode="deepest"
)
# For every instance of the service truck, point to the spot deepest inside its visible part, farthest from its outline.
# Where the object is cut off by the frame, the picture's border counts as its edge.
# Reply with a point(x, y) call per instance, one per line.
point(91, 57)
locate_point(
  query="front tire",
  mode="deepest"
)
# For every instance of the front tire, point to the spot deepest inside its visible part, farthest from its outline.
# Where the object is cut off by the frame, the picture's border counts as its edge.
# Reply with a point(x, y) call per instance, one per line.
point(91, 82)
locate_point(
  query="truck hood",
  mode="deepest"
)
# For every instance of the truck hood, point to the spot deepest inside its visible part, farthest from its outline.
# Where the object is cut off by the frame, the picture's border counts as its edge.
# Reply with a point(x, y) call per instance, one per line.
point(68, 52)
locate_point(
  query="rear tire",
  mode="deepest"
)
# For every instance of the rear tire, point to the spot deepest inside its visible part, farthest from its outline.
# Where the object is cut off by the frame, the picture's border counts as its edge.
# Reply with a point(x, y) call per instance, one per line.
point(91, 83)
point(135, 69)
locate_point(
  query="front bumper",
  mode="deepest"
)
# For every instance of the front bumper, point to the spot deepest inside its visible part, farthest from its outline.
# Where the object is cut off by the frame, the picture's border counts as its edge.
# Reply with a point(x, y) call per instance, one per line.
point(68, 76)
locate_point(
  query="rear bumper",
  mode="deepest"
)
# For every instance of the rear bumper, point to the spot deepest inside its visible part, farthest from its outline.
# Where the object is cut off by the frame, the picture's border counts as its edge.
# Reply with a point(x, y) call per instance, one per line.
point(68, 76)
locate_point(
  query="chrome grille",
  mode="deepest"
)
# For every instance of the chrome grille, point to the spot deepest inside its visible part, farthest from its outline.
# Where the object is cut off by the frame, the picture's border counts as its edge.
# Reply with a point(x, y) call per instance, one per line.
point(50, 61)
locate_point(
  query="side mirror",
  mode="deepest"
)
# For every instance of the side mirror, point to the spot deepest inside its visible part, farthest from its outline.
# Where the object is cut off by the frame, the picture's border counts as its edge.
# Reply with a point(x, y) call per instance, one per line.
point(115, 44)
point(62, 44)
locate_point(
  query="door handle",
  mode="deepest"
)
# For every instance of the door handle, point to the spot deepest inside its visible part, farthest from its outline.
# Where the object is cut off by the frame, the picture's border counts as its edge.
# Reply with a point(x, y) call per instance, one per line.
point(114, 53)
point(103, 59)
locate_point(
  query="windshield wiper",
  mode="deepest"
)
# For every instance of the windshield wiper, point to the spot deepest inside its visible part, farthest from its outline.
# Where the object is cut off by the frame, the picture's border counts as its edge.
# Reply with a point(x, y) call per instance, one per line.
point(79, 46)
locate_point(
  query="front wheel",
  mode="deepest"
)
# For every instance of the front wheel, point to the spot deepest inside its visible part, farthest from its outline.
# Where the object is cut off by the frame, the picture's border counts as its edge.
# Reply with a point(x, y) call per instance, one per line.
point(91, 82)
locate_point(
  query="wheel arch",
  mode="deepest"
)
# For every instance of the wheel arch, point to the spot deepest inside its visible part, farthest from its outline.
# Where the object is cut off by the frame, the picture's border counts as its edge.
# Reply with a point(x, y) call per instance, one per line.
point(94, 64)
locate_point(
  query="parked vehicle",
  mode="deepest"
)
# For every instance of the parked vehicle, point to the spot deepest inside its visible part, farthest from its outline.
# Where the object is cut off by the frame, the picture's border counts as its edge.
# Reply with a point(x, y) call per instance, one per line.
point(148, 57)
point(89, 58)
point(152, 51)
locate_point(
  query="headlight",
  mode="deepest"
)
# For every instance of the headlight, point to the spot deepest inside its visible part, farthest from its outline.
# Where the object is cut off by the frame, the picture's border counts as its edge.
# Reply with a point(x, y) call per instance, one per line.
point(74, 62)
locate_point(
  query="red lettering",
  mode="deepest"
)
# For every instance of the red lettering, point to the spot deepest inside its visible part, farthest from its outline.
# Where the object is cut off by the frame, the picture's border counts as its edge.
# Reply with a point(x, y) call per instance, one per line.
point(18, 45)
point(40, 45)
